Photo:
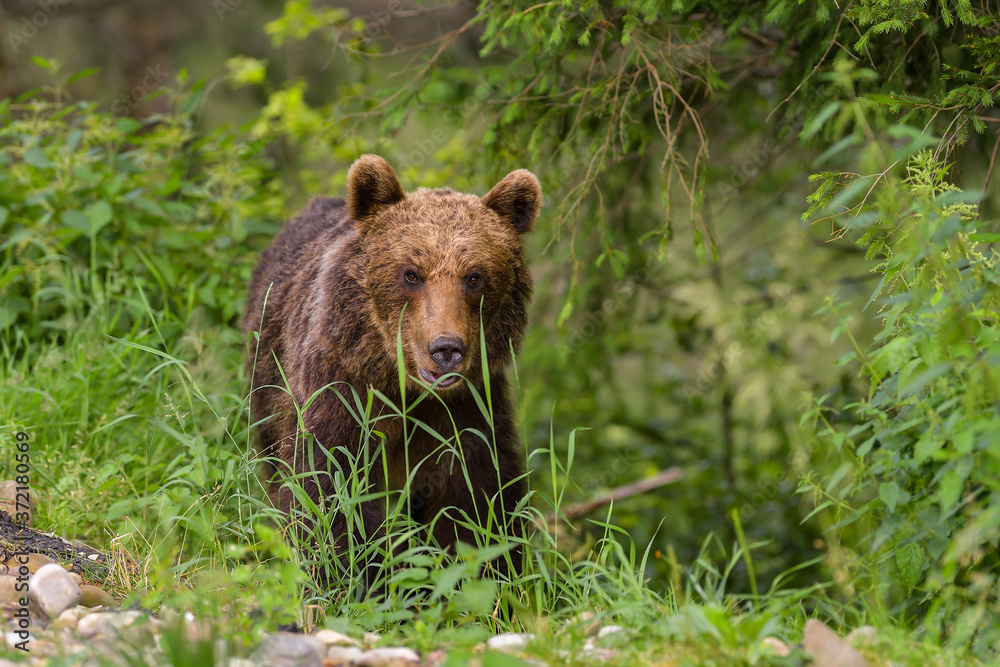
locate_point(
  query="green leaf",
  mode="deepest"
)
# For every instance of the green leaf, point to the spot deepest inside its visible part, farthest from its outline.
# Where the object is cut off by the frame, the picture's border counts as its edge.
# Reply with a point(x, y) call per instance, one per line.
point(566, 311)
point(126, 505)
point(950, 488)
point(83, 74)
point(99, 214)
point(36, 157)
point(816, 123)
point(10, 274)
point(916, 383)
point(928, 445)
point(846, 358)
point(910, 560)
point(889, 492)
point(150, 206)
point(75, 219)
point(838, 476)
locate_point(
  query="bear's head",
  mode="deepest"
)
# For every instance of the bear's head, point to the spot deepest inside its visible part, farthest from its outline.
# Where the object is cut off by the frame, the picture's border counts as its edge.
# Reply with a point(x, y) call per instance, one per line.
point(439, 266)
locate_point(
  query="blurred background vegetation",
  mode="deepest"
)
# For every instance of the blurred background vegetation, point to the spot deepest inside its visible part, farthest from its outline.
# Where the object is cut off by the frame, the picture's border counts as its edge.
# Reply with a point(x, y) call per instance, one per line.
point(150, 150)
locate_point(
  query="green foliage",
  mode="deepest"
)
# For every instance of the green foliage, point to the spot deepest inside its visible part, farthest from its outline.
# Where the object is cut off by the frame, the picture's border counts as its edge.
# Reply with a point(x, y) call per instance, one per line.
point(924, 465)
point(98, 209)
point(955, 98)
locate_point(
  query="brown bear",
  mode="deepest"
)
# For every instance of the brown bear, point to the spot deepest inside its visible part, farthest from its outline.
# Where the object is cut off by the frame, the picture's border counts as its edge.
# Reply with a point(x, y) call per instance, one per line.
point(435, 269)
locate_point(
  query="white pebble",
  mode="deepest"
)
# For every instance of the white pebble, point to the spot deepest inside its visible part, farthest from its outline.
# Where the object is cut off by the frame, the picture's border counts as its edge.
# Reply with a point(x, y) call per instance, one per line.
point(71, 617)
point(53, 589)
point(389, 656)
point(343, 655)
point(241, 662)
point(509, 640)
point(107, 622)
point(609, 630)
point(331, 638)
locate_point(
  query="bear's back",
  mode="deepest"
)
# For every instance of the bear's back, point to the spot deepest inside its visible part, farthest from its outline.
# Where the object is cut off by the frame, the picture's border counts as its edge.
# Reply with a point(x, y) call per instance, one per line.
point(321, 223)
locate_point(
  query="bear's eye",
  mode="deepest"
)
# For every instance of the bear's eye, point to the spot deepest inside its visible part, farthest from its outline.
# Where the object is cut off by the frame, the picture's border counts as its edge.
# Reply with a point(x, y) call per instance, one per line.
point(474, 280)
point(411, 277)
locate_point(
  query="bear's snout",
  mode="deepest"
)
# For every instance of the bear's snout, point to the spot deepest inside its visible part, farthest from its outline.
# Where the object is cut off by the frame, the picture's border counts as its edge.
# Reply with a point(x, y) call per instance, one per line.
point(447, 351)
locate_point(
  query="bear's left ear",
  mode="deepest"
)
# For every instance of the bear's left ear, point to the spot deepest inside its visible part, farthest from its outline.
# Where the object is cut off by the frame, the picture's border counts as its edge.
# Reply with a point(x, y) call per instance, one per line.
point(516, 199)
point(371, 186)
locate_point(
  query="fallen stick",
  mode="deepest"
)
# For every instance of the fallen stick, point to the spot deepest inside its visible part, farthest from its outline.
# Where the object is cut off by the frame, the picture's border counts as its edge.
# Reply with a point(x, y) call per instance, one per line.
point(575, 511)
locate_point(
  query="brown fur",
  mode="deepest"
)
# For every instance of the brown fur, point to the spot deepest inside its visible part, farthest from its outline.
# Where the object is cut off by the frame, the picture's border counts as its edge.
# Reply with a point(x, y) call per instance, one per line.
point(336, 281)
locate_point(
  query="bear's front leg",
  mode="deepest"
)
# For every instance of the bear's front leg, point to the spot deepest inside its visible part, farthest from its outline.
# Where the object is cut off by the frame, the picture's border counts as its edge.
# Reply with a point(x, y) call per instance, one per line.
point(331, 469)
point(485, 484)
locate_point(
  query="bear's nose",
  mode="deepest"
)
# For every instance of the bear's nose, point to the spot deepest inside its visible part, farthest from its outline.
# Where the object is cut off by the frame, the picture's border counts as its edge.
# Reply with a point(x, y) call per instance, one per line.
point(447, 351)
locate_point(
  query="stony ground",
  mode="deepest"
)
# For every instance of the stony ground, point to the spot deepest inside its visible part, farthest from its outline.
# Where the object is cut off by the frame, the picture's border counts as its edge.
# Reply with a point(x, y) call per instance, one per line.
point(57, 612)
point(81, 625)
point(101, 635)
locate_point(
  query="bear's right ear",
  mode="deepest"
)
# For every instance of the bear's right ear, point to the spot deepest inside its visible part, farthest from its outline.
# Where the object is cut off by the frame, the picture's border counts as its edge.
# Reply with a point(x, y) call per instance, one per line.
point(371, 186)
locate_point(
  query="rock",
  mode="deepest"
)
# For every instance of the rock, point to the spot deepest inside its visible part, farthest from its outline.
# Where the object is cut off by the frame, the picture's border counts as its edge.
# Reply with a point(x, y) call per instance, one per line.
point(318, 646)
point(435, 658)
point(9, 594)
point(509, 641)
point(389, 656)
point(71, 617)
point(827, 649)
point(776, 646)
point(342, 655)
point(8, 500)
point(586, 623)
point(371, 638)
point(241, 662)
point(92, 596)
point(595, 652)
point(609, 630)
point(107, 622)
point(865, 634)
point(197, 632)
point(53, 590)
point(331, 638)
point(34, 563)
point(284, 649)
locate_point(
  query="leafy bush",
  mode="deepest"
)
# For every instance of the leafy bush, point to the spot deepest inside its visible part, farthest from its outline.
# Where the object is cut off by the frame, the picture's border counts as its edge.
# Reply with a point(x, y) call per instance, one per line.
point(922, 473)
point(127, 248)
point(96, 208)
